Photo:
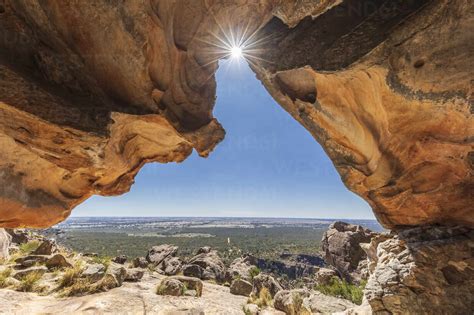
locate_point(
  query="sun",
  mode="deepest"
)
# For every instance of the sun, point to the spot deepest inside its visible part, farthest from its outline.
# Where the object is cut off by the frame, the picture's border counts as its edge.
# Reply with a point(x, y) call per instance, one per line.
point(236, 52)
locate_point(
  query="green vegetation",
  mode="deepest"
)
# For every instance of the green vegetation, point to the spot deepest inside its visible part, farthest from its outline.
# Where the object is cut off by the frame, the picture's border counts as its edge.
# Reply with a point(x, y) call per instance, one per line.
point(254, 271)
point(29, 247)
point(264, 242)
point(342, 289)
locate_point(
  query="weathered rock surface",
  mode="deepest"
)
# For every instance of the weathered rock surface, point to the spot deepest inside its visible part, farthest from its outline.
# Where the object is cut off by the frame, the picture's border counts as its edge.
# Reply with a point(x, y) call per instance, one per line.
point(118, 272)
point(319, 303)
point(5, 241)
point(241, 287)
point(46, 247)
point(265, 281)
point(206, 265)
point(240, 268)
point(140, 262)
point(342, 249)
point(171, 266)
point(190, 283)
point(172, 287)
point(94, 271)
point(131, 298)
point(291, 302)
point(120, 259)
point(57, 261)
point(134, 274)
point(19, 236)
point(324, 275)
point(157, 254)
point(421, 270)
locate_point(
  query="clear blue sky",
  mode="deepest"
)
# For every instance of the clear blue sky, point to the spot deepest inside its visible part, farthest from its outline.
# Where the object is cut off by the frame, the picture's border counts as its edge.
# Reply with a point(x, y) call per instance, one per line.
point(267, 166)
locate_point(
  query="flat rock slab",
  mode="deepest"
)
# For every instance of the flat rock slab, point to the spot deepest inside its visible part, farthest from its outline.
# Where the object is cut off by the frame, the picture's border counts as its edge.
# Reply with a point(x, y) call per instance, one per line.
point(130, 298)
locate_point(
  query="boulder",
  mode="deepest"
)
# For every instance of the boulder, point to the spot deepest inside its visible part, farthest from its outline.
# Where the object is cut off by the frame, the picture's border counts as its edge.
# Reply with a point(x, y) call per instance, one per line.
point(140, 262)
point(324, 275)
point(342, 249)
point(190, 283)
point(134, 274)
point(204, 250)
point(108, 281)
point(118, 271)
point(120, 259)
point(170, 286)
point(291, 302)
point(240, 268)
point(94, 272)
point(265, 281)
point(58, 261)
point(22, 273)
point(5, 241)
point(171, 266)
point(206, 265)
point(46, 247)
point(241, 287)
point(157, 254)
point(318, 303)
point(193, 271)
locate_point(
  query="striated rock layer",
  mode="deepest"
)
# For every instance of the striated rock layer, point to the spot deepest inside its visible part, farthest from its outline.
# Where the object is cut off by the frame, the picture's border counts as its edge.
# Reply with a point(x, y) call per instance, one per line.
point(422, 270)
point(90, 91)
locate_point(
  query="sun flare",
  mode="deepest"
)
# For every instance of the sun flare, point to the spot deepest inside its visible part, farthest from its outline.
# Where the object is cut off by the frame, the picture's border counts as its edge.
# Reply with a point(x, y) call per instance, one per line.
point(236, 52)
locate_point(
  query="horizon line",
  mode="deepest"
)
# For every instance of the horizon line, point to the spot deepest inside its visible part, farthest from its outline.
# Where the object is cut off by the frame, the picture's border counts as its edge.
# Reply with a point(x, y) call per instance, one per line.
point(223, 217)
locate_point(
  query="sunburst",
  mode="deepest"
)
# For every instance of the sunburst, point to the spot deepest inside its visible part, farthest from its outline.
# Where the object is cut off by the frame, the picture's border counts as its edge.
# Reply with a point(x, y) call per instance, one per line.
point(236, 44)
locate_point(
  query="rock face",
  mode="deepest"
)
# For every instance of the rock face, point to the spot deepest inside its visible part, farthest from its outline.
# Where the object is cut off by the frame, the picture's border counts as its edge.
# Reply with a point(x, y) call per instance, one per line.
point(5, 241)
point(241, 287)
point(342, 249)
point(170, 287)
point(18, 236)
point(422, 269)
point(206, 265)
point(265, 281)
point(58, 261)
point(157, 254)
point(46, 247)
point(324, 275)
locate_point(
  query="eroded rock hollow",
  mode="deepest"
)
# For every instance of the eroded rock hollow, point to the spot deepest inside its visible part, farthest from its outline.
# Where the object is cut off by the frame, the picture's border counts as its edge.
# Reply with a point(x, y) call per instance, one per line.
point(90, 91)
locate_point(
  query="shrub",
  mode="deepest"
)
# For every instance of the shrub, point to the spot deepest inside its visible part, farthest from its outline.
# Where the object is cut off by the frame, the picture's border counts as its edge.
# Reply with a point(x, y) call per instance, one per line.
point(4, 276)
point(28, 283)
point(78, 287)
point(27, 248)
point(254, 271)
point(343, 289)
point(264, 298)
point(70, 275)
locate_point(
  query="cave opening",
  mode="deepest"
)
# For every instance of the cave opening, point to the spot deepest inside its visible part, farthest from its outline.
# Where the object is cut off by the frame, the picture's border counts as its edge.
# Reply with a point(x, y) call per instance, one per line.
point(268, 165)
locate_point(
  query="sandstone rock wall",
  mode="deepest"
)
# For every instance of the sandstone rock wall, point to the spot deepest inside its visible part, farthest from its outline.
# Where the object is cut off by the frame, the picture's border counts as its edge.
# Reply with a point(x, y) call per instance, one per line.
point(422, 270)
point(90, 91)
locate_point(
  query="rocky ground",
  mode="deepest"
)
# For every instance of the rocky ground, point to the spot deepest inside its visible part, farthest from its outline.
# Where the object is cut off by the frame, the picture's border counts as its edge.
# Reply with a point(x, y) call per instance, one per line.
point(40, 276)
